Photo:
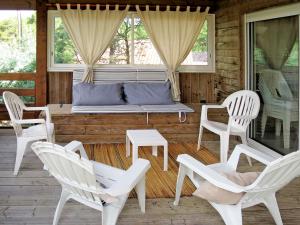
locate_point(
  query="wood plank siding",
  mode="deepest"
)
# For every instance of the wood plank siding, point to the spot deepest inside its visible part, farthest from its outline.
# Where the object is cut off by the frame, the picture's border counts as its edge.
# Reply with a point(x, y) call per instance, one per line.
point(31, 198)
point(195, 87)
point(230, 41)
point(111, 128)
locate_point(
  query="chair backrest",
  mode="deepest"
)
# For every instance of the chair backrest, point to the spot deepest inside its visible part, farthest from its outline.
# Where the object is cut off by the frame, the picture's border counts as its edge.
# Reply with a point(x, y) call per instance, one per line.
point(242, 103)
point(275, 176)
point(75, 174)
point(273, 85)
point(15, 107)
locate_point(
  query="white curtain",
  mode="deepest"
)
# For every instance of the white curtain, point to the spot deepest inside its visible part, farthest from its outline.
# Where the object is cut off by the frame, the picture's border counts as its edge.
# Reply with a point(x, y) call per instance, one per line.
point(276, 38)
point(91, 32)
point(173, 34)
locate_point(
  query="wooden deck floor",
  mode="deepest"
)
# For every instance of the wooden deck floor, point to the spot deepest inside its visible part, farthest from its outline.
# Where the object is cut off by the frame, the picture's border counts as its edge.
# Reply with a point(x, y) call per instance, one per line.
point(159, 183)
point(31, 198)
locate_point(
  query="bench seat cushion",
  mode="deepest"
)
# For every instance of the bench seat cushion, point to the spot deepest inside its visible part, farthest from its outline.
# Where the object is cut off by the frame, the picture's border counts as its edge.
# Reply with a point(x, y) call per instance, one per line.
point(139, 93)
point(96, 95)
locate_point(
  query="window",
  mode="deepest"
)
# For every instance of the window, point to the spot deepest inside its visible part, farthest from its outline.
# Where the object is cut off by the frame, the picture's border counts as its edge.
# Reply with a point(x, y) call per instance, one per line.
point(17, 41)
point(131, 46)
point(272, 69)
point(18, 50)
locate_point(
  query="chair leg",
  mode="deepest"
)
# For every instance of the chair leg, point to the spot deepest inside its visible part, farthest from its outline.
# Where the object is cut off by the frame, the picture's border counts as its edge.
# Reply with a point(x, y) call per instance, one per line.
point(180, 178)
point(224, 142)
point(231, 214)
point(245, 142)
point(110, 214)
point(140, 190)
point(263, 122)
point(272, 205)
point(64, 197)
point(21, 148)
point(200, 137)
point(277, 127)
point(286, 133)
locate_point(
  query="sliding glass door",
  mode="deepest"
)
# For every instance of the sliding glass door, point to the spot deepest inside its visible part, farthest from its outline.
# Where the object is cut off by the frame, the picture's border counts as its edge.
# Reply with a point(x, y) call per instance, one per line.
point(273, 72)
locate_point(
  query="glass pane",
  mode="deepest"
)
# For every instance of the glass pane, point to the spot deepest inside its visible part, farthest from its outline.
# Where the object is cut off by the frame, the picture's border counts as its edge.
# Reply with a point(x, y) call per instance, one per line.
point(64, 50)
point(118, 51)
point(144, 51)
point(198, 55)
point(25, 99)
point(275, 75)
point(17, 41)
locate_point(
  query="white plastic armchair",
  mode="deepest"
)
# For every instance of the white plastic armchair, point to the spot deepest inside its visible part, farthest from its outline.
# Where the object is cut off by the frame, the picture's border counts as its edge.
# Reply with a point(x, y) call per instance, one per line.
point(41, 130)
point(94, 184)
point(242, 107)
point(279, 103)
point(279, 171)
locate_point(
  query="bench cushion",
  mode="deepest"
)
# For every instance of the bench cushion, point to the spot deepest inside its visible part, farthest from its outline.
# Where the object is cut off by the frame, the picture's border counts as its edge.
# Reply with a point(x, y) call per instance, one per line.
point(102, 94)
point(138, 93)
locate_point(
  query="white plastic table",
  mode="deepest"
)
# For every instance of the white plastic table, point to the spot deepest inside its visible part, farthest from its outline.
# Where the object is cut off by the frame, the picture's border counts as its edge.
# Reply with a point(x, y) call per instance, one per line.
point(146, 138)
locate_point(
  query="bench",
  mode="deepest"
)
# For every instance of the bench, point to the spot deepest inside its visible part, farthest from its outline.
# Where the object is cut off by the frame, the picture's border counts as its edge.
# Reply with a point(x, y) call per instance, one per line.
point(103, 75)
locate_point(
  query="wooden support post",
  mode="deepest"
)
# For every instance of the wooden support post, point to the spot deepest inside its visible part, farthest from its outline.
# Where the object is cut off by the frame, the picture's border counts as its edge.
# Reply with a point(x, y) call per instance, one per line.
point(41, 54)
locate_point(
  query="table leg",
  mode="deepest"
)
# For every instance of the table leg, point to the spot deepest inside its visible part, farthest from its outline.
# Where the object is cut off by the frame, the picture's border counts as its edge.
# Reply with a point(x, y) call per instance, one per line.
point(166, 157)
point(135, 153)
point(154, 150)
point(127, 146)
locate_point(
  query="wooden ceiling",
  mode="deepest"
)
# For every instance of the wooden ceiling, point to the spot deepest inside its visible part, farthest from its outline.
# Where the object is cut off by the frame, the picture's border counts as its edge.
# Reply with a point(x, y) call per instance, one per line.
point(31, 4)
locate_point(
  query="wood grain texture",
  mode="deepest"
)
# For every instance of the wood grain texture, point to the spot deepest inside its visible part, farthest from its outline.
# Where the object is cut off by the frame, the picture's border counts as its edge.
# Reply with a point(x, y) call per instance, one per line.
point(41, 54)
point(230, 50)
point(60, 87)
point(159, 183)
point(111, 128)
point(31, 197)
point(195, 87)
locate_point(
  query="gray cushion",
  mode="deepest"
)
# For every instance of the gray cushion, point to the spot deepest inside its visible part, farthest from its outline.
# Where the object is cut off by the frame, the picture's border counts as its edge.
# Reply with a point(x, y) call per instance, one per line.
point(101, 94)
point(148, 93)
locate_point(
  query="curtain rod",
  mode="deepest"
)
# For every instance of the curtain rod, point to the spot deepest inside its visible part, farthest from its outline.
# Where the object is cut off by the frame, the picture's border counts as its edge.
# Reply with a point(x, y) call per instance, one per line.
point(132, 7)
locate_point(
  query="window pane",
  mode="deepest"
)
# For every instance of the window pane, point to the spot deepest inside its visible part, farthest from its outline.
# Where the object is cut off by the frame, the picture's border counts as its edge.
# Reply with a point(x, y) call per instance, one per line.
point(64, 50)
point(198, 55)
point(144, 51)
point(17, 41)
point(275, 76)
point(118, 52)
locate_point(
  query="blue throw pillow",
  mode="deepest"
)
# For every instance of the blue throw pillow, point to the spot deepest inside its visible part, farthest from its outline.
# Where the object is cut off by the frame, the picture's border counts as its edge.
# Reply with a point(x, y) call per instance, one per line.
point(86, 94)
point(148, 93)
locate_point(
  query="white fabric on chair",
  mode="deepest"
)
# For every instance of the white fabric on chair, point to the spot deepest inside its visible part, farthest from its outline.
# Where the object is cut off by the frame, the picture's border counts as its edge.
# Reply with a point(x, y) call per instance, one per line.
point(91, 32)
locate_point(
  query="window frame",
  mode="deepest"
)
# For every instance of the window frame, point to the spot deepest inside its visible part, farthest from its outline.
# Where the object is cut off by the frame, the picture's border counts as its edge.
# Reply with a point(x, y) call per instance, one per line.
point(55, 67)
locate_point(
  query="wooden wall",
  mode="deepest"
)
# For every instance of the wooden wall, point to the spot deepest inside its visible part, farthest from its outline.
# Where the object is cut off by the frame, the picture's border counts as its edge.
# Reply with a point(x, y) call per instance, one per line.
point(230, 41)
point(195, 87)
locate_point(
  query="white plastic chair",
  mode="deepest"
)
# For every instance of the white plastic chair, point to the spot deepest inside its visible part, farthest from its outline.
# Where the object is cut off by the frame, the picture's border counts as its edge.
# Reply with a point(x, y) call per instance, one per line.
point(279, 172)
point(242, 107)
point(94, 184)
point(43, 130)
point(279, 103)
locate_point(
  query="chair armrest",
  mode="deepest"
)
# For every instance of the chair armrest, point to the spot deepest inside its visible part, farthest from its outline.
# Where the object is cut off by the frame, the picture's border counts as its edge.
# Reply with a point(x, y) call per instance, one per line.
point(209, 174)
point(29, 121)
point(206, 107)
point(130, 178)
point(42, 108)
point(251, 152)
point(76, 145)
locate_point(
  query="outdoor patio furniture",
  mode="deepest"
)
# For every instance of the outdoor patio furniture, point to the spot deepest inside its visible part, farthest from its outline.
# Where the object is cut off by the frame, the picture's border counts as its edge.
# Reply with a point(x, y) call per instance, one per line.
point(279, 103)
point(242, 107)
point(279, 172)
point(93, 184)
point(43, 130)
point(149, 137)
